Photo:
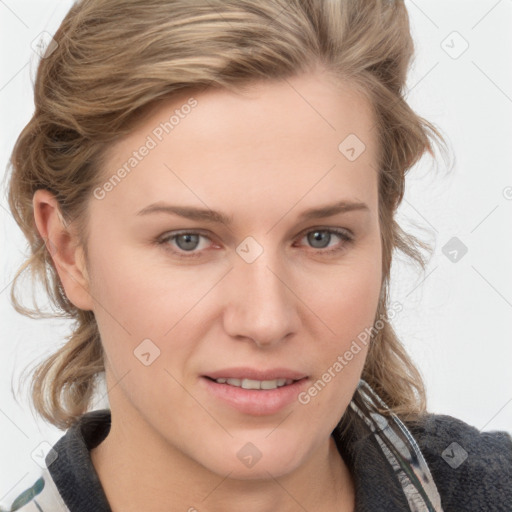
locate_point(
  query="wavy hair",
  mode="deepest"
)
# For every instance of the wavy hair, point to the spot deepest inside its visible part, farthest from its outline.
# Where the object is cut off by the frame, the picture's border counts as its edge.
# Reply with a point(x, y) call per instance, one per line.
point(115, 59)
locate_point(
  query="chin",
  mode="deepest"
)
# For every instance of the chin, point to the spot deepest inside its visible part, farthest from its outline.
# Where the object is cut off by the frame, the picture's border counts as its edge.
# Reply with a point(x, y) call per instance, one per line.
point(260, 471)
point(256, 461)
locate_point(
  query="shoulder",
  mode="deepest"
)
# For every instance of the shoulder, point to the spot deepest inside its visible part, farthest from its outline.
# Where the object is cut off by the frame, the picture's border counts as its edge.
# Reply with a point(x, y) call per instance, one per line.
point(472, 469)
point(41, 496)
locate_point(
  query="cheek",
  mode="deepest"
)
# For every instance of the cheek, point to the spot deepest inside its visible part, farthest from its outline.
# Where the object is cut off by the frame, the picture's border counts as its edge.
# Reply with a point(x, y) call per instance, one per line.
point(347, 301)
point(355, 302)
point(347, 310)
point(136, 301)
point(134, 296)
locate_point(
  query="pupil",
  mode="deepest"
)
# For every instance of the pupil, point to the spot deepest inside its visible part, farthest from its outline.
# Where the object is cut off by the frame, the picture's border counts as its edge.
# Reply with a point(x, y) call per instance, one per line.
point(189, 239)
point(317, 236)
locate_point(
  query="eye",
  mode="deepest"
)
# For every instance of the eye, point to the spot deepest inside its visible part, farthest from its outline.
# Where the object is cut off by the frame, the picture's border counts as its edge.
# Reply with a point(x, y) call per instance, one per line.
point(186, 244)
point(321, 237)
point(185, 241)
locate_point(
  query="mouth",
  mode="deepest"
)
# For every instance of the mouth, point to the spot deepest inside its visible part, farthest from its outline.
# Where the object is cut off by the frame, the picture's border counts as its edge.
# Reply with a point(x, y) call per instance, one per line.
point(254, 384)
point(253, 396)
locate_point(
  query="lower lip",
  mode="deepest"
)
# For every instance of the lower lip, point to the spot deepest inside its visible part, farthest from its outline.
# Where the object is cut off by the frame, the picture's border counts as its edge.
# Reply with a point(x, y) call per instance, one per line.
point(253, 401)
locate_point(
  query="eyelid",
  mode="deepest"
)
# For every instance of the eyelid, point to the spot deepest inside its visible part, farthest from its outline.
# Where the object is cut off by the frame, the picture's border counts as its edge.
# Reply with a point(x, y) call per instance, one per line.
point(333, 229)
point(170, 235)
point(346, 236)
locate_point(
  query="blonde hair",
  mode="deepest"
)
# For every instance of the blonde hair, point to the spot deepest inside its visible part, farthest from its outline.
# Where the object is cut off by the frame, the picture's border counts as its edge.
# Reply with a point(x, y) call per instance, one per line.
point(115, 59)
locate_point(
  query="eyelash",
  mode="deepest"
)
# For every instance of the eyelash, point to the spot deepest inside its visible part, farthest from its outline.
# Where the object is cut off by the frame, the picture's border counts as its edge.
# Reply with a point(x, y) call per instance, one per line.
point(163, 241)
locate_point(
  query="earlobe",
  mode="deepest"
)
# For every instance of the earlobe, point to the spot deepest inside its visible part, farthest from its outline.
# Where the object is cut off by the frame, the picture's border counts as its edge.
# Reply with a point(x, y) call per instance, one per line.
point(63, 247)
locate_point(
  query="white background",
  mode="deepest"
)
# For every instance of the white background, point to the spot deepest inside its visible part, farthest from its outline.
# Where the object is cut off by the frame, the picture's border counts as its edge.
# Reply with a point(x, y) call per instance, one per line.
point(456, 321)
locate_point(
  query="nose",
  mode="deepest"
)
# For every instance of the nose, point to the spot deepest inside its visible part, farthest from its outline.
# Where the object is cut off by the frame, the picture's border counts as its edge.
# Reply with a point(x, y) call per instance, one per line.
point(261, 304)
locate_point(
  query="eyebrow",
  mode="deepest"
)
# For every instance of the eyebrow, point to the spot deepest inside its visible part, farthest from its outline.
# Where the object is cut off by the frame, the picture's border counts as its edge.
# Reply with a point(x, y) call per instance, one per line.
point(206, 215)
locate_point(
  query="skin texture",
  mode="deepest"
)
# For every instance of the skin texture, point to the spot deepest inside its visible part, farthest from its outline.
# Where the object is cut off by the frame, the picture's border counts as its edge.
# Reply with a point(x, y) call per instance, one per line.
point(262, 157)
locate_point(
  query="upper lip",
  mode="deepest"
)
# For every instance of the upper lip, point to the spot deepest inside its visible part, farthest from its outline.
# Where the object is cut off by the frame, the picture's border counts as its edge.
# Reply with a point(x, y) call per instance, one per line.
point(255, 374)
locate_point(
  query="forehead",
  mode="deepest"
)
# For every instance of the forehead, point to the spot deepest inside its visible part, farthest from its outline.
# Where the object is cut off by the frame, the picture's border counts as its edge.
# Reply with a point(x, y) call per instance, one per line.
point(304, 137)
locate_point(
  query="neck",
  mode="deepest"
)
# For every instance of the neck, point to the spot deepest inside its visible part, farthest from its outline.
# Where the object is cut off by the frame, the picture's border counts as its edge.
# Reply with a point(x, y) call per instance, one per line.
point(164, 475)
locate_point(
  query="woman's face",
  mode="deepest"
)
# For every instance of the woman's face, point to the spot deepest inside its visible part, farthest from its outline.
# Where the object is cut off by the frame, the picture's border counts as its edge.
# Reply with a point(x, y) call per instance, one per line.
point(270, 292)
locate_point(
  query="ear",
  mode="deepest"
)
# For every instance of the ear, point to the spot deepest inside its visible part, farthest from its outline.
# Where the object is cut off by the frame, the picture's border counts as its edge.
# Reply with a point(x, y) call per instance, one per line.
point(62, 244)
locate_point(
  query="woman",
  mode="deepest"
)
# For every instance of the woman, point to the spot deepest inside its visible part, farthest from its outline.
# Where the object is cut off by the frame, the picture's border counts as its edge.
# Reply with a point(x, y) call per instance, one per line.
point(209, 191)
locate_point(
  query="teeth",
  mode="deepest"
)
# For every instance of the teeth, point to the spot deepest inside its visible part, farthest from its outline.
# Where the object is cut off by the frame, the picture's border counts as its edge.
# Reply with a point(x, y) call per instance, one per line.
point(251, 384)
point(255, 384)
